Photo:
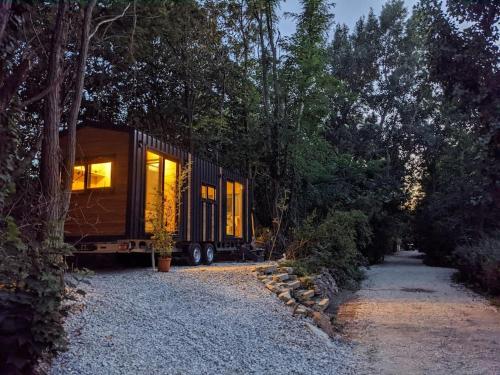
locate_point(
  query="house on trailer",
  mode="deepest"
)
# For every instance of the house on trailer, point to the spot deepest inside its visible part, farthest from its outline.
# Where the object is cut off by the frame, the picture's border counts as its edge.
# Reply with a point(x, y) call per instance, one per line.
point(118, 174)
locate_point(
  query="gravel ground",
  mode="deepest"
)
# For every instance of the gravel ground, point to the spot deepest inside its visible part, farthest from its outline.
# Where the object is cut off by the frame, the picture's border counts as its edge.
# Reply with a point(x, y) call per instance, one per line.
point(193, 320)
point(409, 318)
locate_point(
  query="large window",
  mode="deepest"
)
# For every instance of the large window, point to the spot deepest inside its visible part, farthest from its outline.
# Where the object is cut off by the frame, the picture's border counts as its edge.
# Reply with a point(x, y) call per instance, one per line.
point(91, 176)
point(161, 190)
point(234, 209)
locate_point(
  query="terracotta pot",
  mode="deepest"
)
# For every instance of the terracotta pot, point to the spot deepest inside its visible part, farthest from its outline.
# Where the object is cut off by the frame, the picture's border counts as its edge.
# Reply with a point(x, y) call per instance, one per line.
point(164, 264)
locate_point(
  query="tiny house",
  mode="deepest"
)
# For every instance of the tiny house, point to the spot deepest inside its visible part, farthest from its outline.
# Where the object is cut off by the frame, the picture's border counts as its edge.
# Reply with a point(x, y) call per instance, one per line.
point(118, 174)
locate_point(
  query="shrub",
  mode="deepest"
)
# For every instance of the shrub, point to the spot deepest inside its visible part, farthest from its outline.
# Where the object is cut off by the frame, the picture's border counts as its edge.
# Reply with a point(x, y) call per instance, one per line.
point(32, 291)
point(480, 263)
point(335, 242)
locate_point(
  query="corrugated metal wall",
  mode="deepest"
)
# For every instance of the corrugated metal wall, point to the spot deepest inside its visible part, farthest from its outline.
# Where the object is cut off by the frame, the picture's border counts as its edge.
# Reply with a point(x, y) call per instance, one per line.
point(193, 209)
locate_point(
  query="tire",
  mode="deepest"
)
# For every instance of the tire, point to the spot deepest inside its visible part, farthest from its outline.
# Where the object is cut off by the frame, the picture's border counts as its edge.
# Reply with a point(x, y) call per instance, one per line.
point(194, 253)
point(208, 253)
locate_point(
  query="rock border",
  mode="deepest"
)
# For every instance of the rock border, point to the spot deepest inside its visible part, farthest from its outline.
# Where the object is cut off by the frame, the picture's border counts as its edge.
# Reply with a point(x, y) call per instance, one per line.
point(300, 293)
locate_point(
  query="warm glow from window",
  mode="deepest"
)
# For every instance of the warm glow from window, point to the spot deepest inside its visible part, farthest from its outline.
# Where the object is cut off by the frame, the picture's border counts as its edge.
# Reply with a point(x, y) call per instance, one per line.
point(152, 188)
point(208, 192)
point(78, 178)
point(234, 209)
point(211, 193)
point(100, 175)
point(161, 189)
point(169, 192)
point(238, 209)
point(229, 208)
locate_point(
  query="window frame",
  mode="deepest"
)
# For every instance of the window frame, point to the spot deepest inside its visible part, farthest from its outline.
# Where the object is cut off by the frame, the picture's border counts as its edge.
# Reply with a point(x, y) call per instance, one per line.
point(204, 188)
point(161, 181)
point(234, 182)
point(86, 164)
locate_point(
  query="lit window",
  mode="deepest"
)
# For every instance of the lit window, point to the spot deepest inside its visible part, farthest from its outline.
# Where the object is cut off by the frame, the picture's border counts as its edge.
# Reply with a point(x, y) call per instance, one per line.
point(169, 194)
point(100, 175)
point(230, 208)
point(238, 209)
point(207, 192)
point(78, 178)
point(161, 174)
point(234, 209)
point(152, 188)
point(211, 193)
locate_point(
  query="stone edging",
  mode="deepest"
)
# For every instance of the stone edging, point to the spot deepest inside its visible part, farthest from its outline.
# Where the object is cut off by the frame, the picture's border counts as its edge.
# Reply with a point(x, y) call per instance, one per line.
point(300, 293)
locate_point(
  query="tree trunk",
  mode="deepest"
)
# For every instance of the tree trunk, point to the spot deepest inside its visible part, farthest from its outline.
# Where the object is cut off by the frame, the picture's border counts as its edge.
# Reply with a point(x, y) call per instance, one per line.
point(50, 178)
point(4, 16)
point(67, 172)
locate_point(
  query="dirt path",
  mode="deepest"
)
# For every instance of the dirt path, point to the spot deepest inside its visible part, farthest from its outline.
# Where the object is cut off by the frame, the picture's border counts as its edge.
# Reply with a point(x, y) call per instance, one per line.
point(409, 318)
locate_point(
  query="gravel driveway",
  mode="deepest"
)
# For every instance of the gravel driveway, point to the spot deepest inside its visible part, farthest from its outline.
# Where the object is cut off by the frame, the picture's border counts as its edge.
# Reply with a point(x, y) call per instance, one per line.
point(199, 320)
point(409, 318)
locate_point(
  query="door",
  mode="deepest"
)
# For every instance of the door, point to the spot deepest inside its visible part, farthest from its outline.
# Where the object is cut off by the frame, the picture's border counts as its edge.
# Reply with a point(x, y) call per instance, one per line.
point(208, 212)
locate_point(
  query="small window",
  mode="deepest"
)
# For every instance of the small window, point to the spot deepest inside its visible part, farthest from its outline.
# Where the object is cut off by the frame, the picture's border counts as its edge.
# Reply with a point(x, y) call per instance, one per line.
point(78, 178)
point(211, 193)
point(100, 175)
point(207, 192)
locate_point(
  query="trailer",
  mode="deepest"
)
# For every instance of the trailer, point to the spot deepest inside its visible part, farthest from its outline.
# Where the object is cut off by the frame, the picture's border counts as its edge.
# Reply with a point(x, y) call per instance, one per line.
point(119, 169)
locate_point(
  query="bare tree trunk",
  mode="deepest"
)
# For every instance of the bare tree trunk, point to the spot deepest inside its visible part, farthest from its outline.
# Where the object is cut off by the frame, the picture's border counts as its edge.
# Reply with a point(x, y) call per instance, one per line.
point(50, 145)
point(67, 173)
point(4, 16)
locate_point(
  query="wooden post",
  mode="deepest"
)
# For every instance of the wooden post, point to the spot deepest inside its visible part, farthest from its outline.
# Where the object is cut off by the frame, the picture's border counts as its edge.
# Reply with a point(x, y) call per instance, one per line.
point(153, 260)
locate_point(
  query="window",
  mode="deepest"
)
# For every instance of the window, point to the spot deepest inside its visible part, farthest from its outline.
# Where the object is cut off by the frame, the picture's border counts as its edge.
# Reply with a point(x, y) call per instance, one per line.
point(230, 208)
point(161, 189)
point(100, 175)
point(207, 192)
point(78, 178)
point(91, 176)
point(234, 209)
point(152, 188)
point(169, 194)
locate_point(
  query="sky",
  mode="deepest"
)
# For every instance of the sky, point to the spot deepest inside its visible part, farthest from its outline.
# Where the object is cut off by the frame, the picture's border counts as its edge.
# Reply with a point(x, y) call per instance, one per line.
point(346, 11)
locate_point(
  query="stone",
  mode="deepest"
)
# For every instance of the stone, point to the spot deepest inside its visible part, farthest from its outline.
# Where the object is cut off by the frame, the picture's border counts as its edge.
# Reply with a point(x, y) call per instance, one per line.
point(291, 302)
point(267, 269)
point(301, 310)
point(306, 294)
point(309, 303)
point(285, 296)
point(261, 277)
point(292, 277)
point(281, 277)
point(271, 287)
point(323, 321)
point(288, 270)
point(293, 284)
point(326, 284)
point(323, 304)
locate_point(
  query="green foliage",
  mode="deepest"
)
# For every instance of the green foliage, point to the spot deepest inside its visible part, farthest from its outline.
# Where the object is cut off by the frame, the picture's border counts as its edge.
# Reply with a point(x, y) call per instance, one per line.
point(460, 179)
point(335, 242)
point(480, 263)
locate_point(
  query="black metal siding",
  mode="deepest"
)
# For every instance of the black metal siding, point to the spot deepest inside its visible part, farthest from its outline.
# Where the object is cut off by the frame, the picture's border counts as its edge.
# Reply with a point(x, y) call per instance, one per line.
point(191, 215)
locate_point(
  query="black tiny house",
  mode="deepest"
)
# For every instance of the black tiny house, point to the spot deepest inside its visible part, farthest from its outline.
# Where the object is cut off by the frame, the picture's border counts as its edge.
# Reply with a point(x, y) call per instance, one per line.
point(117, 169)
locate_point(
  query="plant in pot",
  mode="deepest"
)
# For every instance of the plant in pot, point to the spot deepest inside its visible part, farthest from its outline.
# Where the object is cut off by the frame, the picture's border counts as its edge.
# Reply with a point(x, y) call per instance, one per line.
point(163, 218)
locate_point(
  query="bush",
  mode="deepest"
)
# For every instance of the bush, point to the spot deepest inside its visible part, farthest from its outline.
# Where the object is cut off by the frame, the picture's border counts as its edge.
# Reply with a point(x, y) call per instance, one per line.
point(335, 242)
point(32, 291)
point(480, 263)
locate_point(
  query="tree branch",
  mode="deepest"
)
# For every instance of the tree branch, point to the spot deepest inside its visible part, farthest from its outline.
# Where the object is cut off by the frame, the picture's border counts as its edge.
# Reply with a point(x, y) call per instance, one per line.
point(108, 21)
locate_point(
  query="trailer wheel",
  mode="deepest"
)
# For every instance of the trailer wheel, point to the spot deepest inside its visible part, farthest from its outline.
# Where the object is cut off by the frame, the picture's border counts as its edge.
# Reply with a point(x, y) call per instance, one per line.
point(208, 253)
point(194, 254)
